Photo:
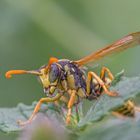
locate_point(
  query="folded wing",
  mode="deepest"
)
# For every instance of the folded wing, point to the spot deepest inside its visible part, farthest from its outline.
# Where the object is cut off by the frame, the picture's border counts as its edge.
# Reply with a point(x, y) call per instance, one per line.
point(128, 41)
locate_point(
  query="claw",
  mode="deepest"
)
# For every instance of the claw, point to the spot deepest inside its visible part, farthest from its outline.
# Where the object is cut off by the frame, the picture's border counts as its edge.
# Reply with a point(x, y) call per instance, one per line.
point(112, 93)
point(21, 123)
point(68, 120)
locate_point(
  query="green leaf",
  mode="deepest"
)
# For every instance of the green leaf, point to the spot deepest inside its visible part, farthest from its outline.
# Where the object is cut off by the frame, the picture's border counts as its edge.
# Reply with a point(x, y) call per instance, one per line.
point(10, 116)
point(112, 128)
point(117, 78)
point(127, 88)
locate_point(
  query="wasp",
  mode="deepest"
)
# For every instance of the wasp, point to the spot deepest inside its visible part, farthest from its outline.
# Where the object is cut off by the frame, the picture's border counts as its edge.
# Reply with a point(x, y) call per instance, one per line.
point(61, 78)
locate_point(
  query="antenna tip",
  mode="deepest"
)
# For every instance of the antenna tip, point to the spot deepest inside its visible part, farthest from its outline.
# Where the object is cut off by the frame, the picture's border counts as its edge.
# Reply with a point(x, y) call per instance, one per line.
point(9, 74)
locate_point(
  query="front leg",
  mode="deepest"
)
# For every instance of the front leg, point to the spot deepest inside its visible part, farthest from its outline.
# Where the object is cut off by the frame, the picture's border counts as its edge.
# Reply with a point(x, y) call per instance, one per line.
point(37, 107)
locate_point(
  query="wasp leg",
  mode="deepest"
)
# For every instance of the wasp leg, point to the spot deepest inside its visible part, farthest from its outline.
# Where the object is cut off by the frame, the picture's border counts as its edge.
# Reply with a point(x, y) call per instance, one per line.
point(127, 110)
point(100, 81)
point(56, 103)
point(64, 99)
point(104, 71)
point(77, 113)
point(131, 103)
point(118, 115)
point(70, 104)
point(38, 107)
point(137, 108)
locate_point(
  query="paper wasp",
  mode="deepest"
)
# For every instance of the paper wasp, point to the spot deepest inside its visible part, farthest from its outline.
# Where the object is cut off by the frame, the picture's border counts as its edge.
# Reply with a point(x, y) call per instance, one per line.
point(64, 77)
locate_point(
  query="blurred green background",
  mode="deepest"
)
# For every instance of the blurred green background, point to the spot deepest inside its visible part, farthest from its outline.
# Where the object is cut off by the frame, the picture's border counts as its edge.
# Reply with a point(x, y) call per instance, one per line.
point(31, 31)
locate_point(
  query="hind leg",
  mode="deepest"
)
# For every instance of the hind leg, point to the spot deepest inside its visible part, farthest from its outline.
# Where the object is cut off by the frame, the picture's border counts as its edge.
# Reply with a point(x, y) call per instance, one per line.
point(101, 83)
point(103, 73)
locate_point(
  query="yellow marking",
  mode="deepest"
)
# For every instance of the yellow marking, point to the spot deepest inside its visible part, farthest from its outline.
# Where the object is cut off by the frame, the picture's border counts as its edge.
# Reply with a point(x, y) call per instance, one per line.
point(71, 81)
point(44, 78)
point(81, 93)
point(64, 84)
point(66, 68)
point(52, 89)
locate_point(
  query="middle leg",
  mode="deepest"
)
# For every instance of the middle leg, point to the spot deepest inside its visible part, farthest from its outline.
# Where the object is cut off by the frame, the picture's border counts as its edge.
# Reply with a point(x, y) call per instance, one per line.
point(70, 105)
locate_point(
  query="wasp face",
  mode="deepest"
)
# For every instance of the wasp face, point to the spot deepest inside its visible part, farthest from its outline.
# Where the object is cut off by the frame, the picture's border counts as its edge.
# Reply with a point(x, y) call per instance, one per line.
point(50, 78)
point(48, 75)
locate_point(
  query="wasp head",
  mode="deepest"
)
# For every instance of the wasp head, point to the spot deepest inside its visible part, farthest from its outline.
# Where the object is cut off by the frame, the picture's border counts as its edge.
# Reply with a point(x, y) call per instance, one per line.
point(49, 78)
point(48, 75)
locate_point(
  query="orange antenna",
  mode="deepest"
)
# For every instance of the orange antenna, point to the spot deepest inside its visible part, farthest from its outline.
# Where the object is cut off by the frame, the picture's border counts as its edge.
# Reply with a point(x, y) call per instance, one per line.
point(12, 72)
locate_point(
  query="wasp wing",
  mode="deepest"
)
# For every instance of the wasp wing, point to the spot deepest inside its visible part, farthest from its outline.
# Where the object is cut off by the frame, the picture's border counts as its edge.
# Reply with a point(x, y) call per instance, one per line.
point(128, 41)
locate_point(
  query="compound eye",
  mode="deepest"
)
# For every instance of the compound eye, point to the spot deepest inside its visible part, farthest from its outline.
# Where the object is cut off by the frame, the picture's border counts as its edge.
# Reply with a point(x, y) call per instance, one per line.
point(53, 73)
